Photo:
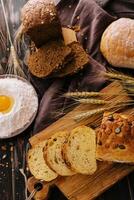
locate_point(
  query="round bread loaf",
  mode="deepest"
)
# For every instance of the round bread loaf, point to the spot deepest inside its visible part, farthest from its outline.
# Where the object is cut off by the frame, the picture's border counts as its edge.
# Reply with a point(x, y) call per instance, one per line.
point(40, 21)
point(117, 43)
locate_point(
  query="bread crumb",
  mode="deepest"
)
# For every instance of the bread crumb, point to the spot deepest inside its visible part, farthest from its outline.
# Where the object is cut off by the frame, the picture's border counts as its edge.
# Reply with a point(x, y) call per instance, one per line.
point(4, 156)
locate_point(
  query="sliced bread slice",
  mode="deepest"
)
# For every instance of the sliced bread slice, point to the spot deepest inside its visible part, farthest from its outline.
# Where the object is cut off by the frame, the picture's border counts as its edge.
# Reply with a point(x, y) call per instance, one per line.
point(53, 154)
point(79, 61)
point(37, 165)
point(48, 58)
point(79, 151)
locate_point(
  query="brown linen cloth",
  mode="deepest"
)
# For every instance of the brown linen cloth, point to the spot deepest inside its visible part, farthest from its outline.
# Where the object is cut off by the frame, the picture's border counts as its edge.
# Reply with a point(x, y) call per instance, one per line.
point(93, 20)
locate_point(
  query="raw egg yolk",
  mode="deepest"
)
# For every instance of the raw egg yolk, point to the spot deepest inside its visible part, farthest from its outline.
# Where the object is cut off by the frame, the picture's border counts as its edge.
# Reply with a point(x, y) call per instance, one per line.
point(5, 103)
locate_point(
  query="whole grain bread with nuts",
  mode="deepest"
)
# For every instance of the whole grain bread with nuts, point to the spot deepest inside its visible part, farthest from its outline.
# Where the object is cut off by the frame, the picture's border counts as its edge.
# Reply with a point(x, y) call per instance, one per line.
point(40, 21)
point(79, 151)
point(115, 138)
point(53, 154)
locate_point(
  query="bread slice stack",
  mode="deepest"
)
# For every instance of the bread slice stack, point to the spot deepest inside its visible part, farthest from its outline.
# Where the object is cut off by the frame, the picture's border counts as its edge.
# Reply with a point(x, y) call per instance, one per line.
point(53, 56)
point(64, 154)
point(68, 153)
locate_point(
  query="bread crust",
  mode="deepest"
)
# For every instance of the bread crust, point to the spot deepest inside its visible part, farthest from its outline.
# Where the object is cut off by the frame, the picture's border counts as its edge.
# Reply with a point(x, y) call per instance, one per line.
point(40, 21)
point(117, 43)
point(115, 138)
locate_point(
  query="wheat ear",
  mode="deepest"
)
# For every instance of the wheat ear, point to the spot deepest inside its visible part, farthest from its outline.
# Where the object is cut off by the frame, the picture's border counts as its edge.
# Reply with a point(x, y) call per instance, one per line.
point(92, 101)
point(83, 94)
point(89, 114)
point(129, 90)
point(118, 76)
point(19, 38)
point(101, 110)
point(15, 68)
point(91, 94)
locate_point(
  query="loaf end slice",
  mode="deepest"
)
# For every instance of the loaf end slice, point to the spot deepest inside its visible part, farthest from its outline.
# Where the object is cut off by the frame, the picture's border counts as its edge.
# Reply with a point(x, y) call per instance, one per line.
point(37, 165)
point(79, 151)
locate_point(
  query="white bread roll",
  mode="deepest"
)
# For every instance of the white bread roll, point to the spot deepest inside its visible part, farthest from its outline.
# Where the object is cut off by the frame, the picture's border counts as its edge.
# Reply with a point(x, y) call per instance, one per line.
point(117, 43)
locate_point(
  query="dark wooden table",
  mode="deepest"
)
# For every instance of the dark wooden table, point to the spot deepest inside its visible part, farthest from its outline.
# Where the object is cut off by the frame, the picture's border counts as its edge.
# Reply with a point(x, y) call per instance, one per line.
point(13, 151)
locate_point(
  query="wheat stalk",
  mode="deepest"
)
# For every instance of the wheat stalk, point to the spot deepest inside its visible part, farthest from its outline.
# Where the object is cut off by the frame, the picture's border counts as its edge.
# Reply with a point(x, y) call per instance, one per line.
point(83, 94)
point(92, 101)
point(94, 112)
point(19, 38)
point(89, 114)
point(14, 64)
point(100, 102)
point(91, 94)
point(129, 90)
point(118, 76)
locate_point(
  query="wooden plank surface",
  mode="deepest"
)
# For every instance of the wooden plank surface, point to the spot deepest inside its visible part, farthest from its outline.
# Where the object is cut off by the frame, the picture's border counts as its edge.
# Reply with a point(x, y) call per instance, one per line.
point(80, 186)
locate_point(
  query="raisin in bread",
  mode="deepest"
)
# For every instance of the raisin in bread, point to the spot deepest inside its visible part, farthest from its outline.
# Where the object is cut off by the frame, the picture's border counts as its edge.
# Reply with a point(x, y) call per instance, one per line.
point(53, 154)
point(115, 138)
point(79, 151)
point(37, 164)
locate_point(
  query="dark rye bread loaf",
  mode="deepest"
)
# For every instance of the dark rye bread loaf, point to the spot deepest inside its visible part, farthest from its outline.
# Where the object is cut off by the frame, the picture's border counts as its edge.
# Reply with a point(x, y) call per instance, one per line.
point(79, 61)
point(40, 21)
point(115, 138)
point(48, 58)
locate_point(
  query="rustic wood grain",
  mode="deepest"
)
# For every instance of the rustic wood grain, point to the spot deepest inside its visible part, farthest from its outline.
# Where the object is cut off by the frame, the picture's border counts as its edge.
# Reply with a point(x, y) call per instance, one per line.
point(80, 186)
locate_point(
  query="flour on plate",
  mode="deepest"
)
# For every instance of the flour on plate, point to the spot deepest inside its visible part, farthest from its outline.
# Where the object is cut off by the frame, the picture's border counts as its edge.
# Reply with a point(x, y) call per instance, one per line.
point(24, 108)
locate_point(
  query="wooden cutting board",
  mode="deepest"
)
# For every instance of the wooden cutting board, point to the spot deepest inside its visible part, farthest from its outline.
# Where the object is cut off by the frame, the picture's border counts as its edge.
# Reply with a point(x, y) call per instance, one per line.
point(81, 187)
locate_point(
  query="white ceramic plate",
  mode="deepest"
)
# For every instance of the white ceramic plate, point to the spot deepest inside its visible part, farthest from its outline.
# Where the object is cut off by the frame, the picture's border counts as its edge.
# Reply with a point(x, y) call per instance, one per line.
point(33, 117)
